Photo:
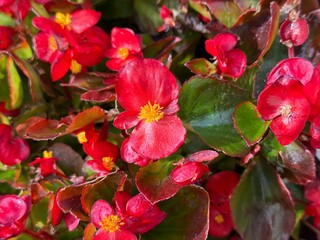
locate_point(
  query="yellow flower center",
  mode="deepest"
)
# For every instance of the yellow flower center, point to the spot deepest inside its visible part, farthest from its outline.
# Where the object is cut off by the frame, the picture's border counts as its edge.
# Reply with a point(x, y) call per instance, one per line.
point(75, 67)
point(53, 43)
point(219, 219)
point(47, 154)
point(151, 113)
point(64, 20)
point(108, 163)
point(123, 53)
point(82, 137)
point(111, 223)
point(286, 110)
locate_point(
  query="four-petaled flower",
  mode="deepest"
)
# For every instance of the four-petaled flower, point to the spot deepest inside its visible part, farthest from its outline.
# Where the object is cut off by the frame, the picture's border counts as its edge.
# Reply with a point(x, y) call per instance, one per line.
point(148, 92)
point(231, 62)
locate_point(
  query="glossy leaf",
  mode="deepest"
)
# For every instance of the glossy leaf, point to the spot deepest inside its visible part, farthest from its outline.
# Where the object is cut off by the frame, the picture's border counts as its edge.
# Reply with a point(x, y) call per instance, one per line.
point(6, 20)
point(102, 95)
point(85, 118)
point(69, 200)
point(8, 175)
point(268, 208)
point(104, 188)
point(39, 212)
point(206, 108)
point(201, 66)
point(154, 180)
point(46, 129)
point(160, 48)
point(248, 123)
point(15, 85)
point(299, 161)
point(179, 223)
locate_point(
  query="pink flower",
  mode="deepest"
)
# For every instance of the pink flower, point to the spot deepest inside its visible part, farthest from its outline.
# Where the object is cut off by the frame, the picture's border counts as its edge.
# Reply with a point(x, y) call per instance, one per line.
point(294, 31)
point(13, 150)
point(148, 92)
point(125, 46)
point(231, 62)
point(13, 215)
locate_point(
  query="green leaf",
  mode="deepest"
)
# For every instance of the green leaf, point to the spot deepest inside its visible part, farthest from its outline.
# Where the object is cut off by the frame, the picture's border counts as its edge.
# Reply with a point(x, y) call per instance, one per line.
point(4, 89)
point(248, 123)
point(39, 9)
point(299, 161)
point(206, 108)
point(39, 213)
point(6, 20)
point(261, 205)
point(23, 50)
point(117, 9)
point(154, 180)
point(201, 66)
point(15, 86)
point(187, 216)
point(104, 188)
point(8, 175)
point(270, 148)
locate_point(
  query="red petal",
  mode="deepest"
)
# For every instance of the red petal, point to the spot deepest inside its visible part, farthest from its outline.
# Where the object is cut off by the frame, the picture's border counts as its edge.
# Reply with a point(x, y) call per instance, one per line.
point(130, 156)
point(71, 221)
point(202, 156)
point(56, 213)
point(188, 173)
point(217, 229)
point(160, 139)
point(235, 63)
point(125, 38)
point(121, 199)
point(41, 45)
point(61, 65)
point(295, 32)
point(99, 210)
point(12, 209)
point(126, 120)
point(297, 68)
point(221, 185)
point(145, 80)
point(312, 91)
point(82, 20)
point(221, 42)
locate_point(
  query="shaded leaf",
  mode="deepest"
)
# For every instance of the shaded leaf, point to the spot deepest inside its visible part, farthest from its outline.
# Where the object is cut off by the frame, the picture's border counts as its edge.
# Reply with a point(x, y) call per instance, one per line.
point(206, 108)
point(104, 188)
point(69, 200)
point(299, 161)
point(45, 129)
point(39, 212)
point(160, 48)
point(102, 95)
point(201, 66)
point(189, 204)
point(248, 123)
point(15, 85)
point(268, 208)
point(154, 180)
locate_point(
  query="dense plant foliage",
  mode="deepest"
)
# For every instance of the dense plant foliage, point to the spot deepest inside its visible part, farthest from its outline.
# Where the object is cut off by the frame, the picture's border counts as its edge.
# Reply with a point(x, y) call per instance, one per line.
point(169, 119)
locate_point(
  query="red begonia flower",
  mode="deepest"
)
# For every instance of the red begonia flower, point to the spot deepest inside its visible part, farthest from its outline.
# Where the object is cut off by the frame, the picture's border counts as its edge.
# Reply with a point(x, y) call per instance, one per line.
point(231, 62)
point(47, 164)
point(220, 222)
point(287, 107)
point(7, 35)
point(221, 185)
point(125, 45)
point(13, 215)
point(148, 92)
point(312, 92)
point(291, 68)
point(13, 150)
point(294, 32)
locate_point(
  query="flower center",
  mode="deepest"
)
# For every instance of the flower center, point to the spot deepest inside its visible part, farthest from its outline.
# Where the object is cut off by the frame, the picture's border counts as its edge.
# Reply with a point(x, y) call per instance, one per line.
point(219, 219)
point(53, 43)
point(123, 53)
point(111, 223)
point(82, 137)
point(64, 20)
point(286, 110)
point(108, 163)
point(75, 67)
point(151, 113)
point(47, 154)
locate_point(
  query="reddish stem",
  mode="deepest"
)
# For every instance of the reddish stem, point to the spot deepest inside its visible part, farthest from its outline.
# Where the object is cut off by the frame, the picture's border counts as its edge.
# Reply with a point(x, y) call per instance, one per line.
point(291, 52)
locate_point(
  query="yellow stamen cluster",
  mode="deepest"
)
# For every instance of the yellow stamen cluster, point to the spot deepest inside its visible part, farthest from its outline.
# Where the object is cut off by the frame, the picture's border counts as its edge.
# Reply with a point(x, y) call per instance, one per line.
point(286, 110)
point(108, 163)
point(75, 67)
point(47, 154)
point(123, 53)
point(111, 223)
point(64, 20)
point(151, 113)
point(219, 219)
point(53, 43)
point(82, 137)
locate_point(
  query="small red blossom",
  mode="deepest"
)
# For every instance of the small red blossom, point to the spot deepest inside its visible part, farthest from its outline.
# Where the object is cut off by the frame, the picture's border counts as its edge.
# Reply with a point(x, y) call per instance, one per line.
point(132, 215)
point(231, 62)
point(312, 194)
point(148, 92)
point(13, 215)
point(220, 187)
point(13, 150)
point(287, 107)
point(192, 168)
point(47, 164)
point(294, 31)
point(125, 47)
point(167, 16)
